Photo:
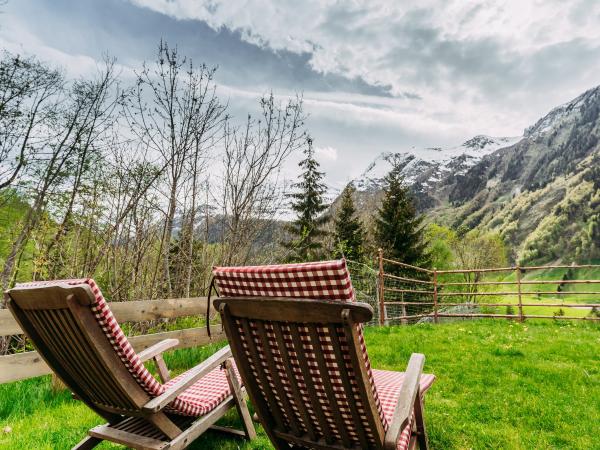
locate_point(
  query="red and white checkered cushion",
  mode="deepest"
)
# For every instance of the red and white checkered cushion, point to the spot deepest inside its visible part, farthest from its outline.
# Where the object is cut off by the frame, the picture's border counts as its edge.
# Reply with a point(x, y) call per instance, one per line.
point(328, 280)
point(190, 402)
point(204, 395)
point(388, 385)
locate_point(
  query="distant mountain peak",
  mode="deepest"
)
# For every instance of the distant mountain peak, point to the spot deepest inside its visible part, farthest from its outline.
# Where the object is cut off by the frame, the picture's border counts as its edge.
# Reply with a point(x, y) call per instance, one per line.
point(427, 165)
point(563, 114)
point(481, 141)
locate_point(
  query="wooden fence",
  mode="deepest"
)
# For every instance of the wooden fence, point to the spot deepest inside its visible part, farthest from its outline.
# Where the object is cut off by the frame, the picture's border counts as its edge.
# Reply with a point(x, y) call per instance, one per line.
point(19, 366)
point(430, 293)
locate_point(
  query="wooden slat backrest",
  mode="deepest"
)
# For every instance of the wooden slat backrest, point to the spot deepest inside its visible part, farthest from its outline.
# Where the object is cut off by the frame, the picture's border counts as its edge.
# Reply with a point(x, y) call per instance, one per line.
point(322, 280)
point(302, 365)
point(60, 323)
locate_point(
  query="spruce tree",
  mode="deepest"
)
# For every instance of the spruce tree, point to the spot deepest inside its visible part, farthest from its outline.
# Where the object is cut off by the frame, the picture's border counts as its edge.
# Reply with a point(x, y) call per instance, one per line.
point(308, 203)
point(349, 233)
point(398, 229)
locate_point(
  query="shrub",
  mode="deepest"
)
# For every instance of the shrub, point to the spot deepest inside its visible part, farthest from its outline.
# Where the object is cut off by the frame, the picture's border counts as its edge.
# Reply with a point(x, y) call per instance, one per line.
point(510, 311)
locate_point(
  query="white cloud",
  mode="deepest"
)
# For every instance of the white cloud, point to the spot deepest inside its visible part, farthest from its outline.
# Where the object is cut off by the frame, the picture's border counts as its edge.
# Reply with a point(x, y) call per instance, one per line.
point(476, 63)
point(353, 38)
point(453, 68)
point(326, 153)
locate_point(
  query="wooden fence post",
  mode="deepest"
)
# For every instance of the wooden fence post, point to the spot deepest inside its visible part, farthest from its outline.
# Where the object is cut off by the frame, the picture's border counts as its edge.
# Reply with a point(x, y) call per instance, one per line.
point(435, 296)
point(381, 289)
point(519, 293)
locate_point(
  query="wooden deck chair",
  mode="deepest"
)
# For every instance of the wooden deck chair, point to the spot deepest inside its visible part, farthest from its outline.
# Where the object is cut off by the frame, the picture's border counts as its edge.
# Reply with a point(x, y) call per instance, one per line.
point(73, 329)
point(305, 363)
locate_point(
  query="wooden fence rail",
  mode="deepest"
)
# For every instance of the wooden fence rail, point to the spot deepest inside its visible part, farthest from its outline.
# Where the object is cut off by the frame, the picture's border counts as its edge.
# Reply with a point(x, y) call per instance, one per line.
point(430, 291)
point(24, 365)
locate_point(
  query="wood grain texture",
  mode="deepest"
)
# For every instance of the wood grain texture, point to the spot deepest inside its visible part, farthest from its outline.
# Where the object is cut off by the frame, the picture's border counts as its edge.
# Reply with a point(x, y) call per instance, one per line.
point(29, 364)
point(134, 311)
point(280, 352)
point(299, 310)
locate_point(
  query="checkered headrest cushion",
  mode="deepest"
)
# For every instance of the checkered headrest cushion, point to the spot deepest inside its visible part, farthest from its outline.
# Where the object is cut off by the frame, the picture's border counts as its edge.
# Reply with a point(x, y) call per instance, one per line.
point(329, 280)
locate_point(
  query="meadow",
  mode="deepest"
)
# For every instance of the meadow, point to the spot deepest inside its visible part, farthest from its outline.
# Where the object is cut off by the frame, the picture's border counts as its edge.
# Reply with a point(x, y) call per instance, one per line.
point(533, 294)
point(501, 384)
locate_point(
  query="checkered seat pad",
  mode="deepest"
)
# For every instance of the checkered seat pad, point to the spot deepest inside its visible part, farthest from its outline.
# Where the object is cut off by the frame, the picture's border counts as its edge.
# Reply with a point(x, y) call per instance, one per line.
point(328, 280)
point(203, 396)
point(388, 384)
point(200, 398)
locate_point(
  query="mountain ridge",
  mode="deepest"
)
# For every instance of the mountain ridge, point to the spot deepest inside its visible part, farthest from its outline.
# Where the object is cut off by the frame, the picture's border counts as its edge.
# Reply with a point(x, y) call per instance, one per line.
point(513, 186)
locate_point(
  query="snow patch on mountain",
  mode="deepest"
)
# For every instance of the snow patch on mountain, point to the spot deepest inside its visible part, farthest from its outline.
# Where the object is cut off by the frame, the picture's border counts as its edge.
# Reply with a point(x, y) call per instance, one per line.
point(563, 114)
point(429, 165)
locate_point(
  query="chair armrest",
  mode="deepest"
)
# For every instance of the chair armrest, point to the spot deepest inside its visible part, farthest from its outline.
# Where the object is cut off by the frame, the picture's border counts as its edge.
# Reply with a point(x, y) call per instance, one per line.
point(157, 349)
point(406, 400)
point(191, 376)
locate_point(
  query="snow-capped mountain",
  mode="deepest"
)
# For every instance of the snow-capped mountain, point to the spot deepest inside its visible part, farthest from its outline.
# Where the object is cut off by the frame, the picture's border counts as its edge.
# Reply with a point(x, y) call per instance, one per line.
point(429, 165)
point(540, 192)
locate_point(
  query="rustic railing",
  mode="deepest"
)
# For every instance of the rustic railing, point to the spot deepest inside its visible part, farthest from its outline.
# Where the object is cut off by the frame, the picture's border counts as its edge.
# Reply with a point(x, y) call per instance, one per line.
point(427, 294)
point(19, 366)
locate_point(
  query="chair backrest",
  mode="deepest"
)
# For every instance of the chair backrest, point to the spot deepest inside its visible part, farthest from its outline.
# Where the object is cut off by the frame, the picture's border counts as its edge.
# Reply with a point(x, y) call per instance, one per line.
point(73, 329)
point(303, 368)
point(280, 340)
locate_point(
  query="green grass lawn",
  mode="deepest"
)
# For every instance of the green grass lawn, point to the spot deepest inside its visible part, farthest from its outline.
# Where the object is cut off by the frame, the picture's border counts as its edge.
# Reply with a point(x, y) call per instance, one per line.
point(500, 385)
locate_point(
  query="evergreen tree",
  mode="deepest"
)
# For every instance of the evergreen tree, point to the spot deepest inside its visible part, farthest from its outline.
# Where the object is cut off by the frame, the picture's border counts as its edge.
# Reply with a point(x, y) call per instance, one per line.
point(398, 228)
point(349, 233)
point(308, 204)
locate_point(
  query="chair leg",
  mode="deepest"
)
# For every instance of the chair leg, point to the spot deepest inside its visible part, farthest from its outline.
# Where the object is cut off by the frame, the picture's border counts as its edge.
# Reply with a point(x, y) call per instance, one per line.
point(87, 443)
point(420, 423)
point(240, 401)
point(163, 370)
point(164, 424)
point(412, 444)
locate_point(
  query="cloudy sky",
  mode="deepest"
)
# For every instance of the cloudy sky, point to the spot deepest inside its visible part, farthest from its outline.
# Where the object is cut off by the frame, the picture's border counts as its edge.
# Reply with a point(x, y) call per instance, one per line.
point(376, 75)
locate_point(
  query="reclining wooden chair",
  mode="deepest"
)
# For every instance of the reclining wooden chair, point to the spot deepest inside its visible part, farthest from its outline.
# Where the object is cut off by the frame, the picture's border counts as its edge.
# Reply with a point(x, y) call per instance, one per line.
point(73, 329)
point(305, 364)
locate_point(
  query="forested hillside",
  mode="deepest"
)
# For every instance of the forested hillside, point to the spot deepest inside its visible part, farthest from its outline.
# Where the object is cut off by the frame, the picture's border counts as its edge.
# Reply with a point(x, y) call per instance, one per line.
point(543, 193)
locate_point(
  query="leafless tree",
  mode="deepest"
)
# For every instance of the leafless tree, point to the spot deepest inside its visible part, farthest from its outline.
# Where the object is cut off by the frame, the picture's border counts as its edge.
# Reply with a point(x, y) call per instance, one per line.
point(130, 228)
point(27, 90)
point(253, 156)
point(103, 97)
point(188, 240)
point(175, 112)
point(73, 123)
